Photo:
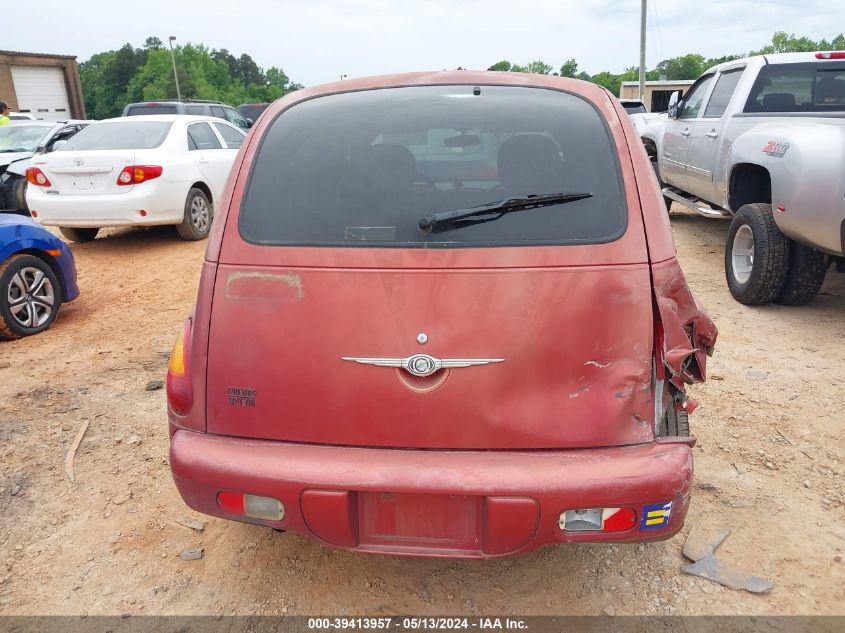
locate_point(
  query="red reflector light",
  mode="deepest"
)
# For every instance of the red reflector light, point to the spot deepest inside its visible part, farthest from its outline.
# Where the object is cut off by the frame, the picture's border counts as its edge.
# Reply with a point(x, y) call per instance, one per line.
point(134, 174)
point(622, 519)
point(231, 502)
point(252, 506)
point(35, 176)
point(781, 208)
point(831, 55)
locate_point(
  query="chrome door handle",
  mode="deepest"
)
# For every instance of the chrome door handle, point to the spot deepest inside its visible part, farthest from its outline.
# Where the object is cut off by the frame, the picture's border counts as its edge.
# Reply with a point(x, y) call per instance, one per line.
point(202, 160)
point(685, 132)
point(712, 134)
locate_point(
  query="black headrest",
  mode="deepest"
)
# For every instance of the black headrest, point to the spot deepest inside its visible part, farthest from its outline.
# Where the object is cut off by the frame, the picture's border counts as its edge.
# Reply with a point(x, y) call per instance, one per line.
point(830, 88)
point(530, 163)
point(388, 163)
point(779, 101)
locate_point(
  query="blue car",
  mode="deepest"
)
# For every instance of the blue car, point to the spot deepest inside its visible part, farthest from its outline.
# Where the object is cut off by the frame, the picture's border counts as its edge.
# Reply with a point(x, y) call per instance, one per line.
point(37, 275)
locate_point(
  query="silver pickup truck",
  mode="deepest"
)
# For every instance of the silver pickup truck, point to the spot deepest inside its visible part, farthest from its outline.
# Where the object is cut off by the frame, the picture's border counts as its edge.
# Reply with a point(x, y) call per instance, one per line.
point(762, 140)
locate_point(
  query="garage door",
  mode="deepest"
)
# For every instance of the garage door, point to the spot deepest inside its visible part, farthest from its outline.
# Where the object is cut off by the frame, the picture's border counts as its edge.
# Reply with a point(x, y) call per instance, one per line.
point(41, 91)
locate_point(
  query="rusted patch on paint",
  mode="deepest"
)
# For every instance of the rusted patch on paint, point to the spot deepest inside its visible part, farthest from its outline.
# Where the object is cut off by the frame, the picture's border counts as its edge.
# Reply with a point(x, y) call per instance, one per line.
point(264, 286)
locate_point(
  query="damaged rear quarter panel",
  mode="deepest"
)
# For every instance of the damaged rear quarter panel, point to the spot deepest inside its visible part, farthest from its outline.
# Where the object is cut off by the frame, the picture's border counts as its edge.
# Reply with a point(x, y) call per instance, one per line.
point(688, 335)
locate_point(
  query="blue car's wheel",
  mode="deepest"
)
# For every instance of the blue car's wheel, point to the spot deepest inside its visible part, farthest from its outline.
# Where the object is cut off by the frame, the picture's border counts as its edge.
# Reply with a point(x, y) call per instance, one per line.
point(30, 296)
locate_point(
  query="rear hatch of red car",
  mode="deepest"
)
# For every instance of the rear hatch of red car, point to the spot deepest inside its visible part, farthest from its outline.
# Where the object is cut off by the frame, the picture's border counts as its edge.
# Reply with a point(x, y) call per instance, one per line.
point(336, 319)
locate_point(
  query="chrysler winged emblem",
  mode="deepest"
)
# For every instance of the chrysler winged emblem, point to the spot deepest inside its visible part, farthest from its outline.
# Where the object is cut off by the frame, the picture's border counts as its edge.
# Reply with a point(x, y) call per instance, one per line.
point(422, 364)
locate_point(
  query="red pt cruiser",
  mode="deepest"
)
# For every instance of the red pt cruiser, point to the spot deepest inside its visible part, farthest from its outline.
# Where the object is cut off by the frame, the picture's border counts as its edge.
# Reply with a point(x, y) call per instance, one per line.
point(441, 315)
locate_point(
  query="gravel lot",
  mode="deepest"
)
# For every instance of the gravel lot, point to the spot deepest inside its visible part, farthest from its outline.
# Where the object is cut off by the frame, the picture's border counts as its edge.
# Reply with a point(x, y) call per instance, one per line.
point(769, 466)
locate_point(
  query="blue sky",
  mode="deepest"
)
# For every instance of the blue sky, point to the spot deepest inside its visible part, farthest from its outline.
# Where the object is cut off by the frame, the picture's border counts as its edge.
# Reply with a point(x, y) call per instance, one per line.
point(318, 40)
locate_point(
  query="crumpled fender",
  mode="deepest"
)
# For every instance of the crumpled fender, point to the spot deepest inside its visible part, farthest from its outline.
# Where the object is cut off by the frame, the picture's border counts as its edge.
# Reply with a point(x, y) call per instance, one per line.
point(686, 334)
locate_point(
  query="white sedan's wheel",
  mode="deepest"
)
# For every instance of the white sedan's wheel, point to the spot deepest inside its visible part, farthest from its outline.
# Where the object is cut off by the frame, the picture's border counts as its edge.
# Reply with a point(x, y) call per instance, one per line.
point(196, 222)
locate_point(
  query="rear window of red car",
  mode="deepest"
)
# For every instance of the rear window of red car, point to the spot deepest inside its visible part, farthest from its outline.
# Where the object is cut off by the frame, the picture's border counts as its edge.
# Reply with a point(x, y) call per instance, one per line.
point(362, 168)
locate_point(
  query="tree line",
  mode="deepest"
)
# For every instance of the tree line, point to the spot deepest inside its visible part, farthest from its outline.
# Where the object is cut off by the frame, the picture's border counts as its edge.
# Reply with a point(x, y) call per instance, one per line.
point(689, 66)
point(114, 78)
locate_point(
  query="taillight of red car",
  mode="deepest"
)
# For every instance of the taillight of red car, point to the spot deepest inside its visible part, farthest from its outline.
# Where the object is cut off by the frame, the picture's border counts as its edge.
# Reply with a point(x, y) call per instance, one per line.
point(35, 176)
point(135, 174)
point(180, 394)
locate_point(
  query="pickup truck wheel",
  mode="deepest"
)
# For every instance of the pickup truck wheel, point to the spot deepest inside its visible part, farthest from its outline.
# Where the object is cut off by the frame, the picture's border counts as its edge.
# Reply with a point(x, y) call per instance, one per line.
point(756, 255)
point(807, 270)
point(79, 235)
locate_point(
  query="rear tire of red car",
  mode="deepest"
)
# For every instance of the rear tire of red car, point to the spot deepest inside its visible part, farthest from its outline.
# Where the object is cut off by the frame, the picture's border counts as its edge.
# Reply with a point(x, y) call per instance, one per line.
point(196, 222)
point(30, 296)
point(677, 423)
point(79, 235)
point(756, 255)
point(807, 270)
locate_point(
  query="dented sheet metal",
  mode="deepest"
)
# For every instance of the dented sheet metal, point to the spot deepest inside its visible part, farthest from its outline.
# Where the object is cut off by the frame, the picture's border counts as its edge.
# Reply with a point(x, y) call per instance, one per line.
point(688, 333)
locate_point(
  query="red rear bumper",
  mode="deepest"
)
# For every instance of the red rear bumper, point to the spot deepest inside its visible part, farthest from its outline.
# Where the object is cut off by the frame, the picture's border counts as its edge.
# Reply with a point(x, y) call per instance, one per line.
point(475, 504)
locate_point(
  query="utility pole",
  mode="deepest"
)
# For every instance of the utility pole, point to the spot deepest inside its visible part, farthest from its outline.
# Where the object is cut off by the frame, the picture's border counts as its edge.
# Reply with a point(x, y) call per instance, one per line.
point(172, 39)
point(642, 51)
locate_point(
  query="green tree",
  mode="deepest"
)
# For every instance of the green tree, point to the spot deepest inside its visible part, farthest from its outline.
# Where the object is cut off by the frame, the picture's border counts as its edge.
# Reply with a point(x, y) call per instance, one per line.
point(783, 43)
point(502, 66)
point(688, 66)
point(608, 80)
point(539, 67)
point(112, 79)
point(569, 68)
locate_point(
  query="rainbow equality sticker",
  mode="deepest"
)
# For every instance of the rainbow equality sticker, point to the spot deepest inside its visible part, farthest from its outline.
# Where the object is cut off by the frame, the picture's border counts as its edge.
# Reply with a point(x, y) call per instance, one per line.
point(656, 516)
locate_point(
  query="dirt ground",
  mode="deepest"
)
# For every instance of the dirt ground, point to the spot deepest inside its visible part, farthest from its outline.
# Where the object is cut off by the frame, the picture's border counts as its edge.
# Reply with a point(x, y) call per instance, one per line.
point(769, 466)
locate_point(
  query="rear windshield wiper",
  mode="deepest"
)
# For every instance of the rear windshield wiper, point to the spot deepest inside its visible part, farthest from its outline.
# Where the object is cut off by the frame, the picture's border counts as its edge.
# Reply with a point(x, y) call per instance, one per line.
point(448, 220)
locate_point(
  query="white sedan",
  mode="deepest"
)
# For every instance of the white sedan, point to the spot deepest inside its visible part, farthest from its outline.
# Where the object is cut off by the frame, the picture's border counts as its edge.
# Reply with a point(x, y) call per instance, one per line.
point(135, 171)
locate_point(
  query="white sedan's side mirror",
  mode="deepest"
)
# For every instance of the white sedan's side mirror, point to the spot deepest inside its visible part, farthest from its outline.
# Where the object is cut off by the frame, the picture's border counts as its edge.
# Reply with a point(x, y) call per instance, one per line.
point(58, 144)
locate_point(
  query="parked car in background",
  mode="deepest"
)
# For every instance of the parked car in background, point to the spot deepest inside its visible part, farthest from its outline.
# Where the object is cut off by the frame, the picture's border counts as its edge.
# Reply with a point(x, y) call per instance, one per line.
point(37, 275)
point(215, 109)
point(21, 116)
point(633, 106)
point(638, 114)
point(135, 171)
point(761, 140)
point(399, 350)
point(251, 111)
point(19, 142)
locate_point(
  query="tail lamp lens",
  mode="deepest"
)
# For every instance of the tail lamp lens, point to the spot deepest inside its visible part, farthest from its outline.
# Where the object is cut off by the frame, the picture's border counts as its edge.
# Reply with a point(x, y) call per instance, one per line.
point(597, 520)
point(134, 174)
point(180, 396)
point(35, 176)
point(252, 506)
